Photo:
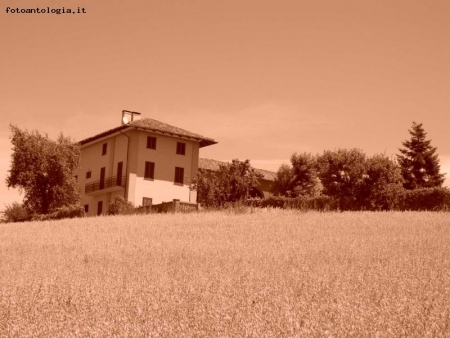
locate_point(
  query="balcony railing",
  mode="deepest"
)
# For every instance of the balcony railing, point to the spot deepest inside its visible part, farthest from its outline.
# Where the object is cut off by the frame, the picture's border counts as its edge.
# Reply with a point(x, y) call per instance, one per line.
point(110, 182)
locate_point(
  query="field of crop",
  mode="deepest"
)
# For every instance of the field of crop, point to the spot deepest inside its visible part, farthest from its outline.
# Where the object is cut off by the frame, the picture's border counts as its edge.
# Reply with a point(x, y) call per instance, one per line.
point(270, 273)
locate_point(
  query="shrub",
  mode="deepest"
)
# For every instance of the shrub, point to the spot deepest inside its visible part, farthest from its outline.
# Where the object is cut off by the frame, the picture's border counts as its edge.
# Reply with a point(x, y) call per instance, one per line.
point(432, 199)
point(15, 213)
point(319, 203)
point(119, 206)
point(70, 211)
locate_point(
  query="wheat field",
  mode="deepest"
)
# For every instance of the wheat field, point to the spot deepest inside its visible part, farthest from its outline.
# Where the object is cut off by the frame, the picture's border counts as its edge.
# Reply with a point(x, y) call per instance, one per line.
point(265, 273)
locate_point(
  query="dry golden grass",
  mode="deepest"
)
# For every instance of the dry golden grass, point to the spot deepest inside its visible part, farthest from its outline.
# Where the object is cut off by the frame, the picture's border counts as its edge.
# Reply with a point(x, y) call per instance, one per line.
point(270, 273)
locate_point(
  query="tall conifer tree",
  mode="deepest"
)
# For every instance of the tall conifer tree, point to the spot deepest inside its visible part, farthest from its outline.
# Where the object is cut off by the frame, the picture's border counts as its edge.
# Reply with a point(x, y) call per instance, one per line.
point(419, 161)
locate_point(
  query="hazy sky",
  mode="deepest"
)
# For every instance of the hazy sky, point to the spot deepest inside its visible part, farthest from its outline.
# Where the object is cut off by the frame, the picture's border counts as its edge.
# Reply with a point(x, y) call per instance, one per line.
point(263, 78)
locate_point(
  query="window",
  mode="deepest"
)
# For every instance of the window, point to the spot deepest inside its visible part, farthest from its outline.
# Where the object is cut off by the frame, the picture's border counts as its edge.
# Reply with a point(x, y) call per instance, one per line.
point(181, 148)
point(149, 172)
point(105, 146)
point(86, 208)
point(99, 208)
point(151, 142)
point(88, 174)
point(146, 201)
point(119, 174)
point(179, 175)
point(102, 179)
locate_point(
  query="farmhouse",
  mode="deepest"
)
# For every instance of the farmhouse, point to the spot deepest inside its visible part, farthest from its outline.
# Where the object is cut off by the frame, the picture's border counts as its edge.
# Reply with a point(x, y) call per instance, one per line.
point(263, 190)
point(143, 160)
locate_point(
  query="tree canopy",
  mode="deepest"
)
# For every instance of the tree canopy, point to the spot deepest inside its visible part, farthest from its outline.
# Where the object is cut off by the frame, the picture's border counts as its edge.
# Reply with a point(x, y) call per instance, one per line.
point(300, 179)
point(284, 181)
point(419, 161)
point(342, 175)
point(44, 170)
point(359, 182)
point(383, 183)
point(231, 183)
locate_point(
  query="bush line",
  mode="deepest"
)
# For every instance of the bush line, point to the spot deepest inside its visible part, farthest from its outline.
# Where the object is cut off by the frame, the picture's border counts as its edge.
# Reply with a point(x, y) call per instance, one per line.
point(427, 199)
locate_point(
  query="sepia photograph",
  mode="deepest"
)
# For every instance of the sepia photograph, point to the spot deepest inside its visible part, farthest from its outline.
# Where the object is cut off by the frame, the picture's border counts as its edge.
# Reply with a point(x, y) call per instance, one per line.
point(225, 168)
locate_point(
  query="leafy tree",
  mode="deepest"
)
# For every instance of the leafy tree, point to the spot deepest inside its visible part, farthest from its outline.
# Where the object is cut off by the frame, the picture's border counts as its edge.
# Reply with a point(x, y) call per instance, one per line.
point(44, 169)
point(383, 184)
point(231, 183)
point(284, 181)
point(306, 182)
point(300, 179)
point(342, 175)
point(419, 161)
point(207, 186)
point(359, 182)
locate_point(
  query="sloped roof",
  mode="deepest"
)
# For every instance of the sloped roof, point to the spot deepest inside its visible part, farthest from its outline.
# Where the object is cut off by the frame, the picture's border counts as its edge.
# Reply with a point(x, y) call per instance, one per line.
point(148, 124)
point(214, 165)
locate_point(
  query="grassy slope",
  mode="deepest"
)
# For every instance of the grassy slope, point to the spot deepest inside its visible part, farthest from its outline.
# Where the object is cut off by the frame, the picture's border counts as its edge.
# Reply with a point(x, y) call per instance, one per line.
point(265, 274)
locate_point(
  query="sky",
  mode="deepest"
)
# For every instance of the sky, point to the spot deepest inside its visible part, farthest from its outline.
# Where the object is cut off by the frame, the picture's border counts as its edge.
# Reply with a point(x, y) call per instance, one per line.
point(263, 78)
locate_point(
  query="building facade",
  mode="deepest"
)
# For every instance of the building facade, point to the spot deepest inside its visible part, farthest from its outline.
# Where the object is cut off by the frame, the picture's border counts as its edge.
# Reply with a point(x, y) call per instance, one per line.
point(145, 161)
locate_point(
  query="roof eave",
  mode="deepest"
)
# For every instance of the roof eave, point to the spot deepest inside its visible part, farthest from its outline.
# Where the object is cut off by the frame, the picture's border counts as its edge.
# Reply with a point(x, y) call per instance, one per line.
point(102, 135)
point(203, 142)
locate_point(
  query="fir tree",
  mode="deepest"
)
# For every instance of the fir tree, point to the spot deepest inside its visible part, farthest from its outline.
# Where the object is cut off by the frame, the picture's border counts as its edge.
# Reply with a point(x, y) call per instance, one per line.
point(419, 161)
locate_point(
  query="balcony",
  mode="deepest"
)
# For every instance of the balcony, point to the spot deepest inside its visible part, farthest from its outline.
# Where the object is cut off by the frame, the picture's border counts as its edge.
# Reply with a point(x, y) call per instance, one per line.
point(109, 184)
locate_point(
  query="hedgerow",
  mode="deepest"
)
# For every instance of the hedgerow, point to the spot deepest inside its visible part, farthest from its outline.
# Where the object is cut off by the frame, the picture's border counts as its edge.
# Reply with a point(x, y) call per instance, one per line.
point(427, 199)
point(320, 203)
point(431, 199)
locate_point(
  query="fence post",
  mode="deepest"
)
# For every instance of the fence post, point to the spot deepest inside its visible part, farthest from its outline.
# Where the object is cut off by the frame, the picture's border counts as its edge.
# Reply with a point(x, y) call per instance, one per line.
point(176, 205)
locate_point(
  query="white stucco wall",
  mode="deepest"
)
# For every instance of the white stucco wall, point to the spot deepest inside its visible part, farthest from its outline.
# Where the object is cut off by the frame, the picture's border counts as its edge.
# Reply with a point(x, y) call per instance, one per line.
point(163, 188)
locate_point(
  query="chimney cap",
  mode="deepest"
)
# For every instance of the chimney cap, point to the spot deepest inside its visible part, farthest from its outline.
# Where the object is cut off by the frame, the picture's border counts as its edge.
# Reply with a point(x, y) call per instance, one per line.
point(129, 116)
